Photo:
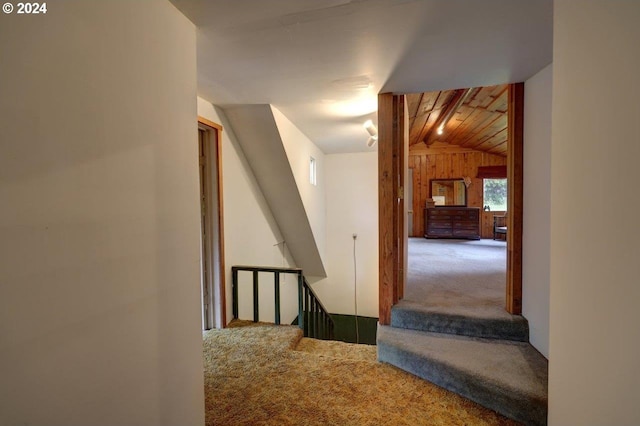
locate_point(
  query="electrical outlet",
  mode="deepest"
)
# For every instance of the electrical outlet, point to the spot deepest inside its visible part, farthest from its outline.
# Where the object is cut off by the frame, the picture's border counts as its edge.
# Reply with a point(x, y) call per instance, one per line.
point(355, 236)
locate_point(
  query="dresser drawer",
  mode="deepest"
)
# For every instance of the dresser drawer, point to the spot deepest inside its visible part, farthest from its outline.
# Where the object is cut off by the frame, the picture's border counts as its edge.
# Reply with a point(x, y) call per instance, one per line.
point(440, 225)
point(452, 222)
point(465, 225)
point(465, 233)
point(435, 214)
point(439, 232)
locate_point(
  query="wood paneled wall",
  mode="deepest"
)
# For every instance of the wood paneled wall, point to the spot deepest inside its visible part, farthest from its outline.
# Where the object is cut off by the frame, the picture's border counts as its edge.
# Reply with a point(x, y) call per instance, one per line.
point(486, 224)
point(440, 163)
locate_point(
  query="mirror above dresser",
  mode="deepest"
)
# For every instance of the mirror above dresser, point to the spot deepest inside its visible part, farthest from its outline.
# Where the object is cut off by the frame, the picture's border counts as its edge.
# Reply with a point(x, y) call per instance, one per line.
point(448, 192)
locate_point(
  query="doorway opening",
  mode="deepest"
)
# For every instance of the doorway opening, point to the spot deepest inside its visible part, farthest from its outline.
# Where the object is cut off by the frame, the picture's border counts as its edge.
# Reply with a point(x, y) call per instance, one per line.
point(465, 135)
point(211, 229)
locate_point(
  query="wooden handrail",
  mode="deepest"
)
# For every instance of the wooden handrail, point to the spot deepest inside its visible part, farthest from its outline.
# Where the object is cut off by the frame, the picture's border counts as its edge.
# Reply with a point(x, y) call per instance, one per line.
point(313, 317)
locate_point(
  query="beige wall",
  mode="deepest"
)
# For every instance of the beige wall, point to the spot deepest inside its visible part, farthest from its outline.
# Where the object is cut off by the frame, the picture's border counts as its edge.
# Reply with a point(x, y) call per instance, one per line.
point(352, 207)
point(347, 204)
point(594, 345)
point(536, 232)
point(299, 149)
point(251, 232)
point(99, 254)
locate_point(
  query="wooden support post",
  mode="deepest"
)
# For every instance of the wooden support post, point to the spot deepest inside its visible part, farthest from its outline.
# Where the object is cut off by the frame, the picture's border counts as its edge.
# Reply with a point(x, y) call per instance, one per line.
point(392, 139)
point(402, 133)
point(514, 202)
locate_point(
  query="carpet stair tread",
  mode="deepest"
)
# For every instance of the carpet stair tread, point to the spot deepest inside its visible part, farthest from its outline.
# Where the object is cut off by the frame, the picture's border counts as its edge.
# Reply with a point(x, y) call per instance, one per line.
point(473, 321)
point(506, 376)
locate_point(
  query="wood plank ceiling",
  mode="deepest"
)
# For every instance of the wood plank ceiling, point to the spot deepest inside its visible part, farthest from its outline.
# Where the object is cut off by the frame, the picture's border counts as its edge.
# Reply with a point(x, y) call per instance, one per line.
point(474, 119)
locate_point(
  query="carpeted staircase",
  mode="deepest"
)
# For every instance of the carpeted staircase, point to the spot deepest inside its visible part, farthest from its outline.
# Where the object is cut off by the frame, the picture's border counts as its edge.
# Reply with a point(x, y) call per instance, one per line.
point(451, 329)
point(482, 355)
point(261, 374)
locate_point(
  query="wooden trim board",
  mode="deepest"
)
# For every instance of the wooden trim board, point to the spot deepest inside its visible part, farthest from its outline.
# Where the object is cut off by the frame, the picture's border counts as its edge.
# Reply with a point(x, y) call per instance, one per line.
point(219, 289)
point(515, 199)
point(392, 146)
point(209, 123)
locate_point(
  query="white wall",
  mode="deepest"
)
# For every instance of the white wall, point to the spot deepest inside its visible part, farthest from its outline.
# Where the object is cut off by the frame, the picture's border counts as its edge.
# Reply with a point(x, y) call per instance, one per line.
point(299, 149)
point(537, 207)
point(99, 254)
point(352, 207)
point(594, 348)
point(250, 231)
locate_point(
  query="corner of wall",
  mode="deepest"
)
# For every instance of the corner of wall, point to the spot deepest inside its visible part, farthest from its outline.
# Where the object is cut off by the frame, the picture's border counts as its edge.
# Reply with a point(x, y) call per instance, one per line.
point(300, 149)
point(537, 207)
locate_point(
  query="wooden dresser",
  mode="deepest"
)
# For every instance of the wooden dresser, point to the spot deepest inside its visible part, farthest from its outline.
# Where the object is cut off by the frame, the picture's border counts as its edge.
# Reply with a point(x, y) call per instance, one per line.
point(452, 222)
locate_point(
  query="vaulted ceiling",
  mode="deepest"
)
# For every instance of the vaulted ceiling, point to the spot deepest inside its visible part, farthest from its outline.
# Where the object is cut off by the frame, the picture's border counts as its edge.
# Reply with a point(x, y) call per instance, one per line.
point(474, 118)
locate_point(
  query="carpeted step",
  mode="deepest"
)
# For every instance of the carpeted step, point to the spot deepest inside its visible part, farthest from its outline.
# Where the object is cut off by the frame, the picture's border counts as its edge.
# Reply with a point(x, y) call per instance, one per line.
point(338, 350)
point(506, 376)
point(253, 376)
point(474, 322)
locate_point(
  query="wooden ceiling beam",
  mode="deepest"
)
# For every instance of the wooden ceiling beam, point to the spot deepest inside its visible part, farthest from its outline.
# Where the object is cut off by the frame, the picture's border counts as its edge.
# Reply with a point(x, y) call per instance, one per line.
point(472, 125)
point(456, 100)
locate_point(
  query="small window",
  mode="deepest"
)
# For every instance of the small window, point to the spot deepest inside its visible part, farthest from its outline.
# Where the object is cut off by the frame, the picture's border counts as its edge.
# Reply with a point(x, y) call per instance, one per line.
point(313, 170)
point(495, 194)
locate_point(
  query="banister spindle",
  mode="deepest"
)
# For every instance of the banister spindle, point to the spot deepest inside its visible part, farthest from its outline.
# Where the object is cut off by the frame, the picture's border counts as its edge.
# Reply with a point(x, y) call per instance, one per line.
point(313, 318)
point(276, 286)
point(234, 290)
point(256, 309)
point(301, 322)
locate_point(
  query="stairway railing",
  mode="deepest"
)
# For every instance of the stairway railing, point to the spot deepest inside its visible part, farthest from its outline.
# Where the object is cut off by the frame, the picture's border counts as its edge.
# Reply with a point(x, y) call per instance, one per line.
point(313, 318)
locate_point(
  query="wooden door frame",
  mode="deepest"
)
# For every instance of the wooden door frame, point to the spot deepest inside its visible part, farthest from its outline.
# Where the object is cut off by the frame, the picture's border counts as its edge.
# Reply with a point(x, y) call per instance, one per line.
point(393, 136)
point(391, 166)
point(216, 285)
point(515, 186)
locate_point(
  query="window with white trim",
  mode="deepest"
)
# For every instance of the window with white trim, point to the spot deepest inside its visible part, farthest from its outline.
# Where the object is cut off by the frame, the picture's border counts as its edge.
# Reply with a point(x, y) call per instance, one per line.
point(313, 171)
point(495, 194)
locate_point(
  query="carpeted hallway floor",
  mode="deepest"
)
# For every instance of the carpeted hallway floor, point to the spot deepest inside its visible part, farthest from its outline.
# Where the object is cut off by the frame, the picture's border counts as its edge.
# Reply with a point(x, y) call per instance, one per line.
point(467, 277)
point(270, 375)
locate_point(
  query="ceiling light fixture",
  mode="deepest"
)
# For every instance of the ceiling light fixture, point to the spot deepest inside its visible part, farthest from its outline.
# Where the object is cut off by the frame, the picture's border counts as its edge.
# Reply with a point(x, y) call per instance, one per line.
point(373, 133)
point(371, 128)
